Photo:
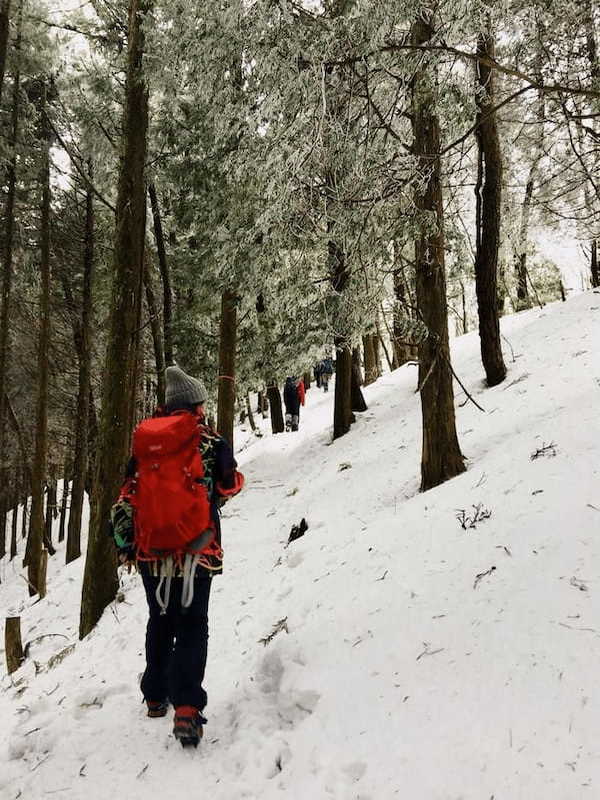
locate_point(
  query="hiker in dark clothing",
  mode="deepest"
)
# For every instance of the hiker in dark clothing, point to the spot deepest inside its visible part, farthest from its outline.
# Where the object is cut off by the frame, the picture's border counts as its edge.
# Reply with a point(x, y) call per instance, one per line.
point(291, 401)
point(326, 369)
point(317, 374)
point(178, 588)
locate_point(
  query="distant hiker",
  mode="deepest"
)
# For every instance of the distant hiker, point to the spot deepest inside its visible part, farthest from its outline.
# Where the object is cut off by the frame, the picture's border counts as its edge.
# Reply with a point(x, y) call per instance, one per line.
point(301, 391)
point(326, 367)
point(317, 374)
point(291, 400)
point(167, 521)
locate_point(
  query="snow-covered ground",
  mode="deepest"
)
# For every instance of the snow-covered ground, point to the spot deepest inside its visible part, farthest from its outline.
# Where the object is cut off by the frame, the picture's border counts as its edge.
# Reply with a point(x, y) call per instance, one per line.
point(410, 667)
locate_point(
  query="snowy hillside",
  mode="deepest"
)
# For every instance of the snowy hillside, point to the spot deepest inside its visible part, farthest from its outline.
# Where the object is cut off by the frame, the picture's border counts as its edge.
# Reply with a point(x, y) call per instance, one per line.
point(421, 660)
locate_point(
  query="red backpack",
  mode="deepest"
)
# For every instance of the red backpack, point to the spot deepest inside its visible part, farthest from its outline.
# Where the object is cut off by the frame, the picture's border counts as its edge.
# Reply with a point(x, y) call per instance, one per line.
point(172, 508)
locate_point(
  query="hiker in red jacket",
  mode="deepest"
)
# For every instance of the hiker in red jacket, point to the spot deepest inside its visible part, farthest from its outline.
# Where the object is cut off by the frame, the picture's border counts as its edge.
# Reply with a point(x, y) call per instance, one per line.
point(177, 575)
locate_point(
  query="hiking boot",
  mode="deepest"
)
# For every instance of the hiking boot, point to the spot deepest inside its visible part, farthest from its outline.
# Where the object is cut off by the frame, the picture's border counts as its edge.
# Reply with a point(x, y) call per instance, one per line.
point(187, 725)
point(157, 708)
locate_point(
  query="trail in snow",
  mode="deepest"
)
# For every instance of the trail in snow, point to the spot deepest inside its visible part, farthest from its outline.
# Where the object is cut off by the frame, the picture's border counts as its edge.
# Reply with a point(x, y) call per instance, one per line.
point(402, 673)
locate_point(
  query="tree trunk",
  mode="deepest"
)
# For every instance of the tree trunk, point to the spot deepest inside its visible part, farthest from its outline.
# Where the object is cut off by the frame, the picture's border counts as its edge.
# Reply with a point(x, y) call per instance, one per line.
point(357, 398)
point(249, 412)
point(403, 351)
point(33, 553)
point(84, 399)
point(13, 645)
point(226, 377)
point(4, 31)
point(165, 275)
point(369, 357)
point(7, 249)
point(100, 578)
point(489, 208)
point(64, 499)
point(306, 378)
point(157, 341)
point(441, 458)
point(342, 410)
point(51, 496)
point(14, 522)
point(594, 264)
point(24, 517)
point(274, 397)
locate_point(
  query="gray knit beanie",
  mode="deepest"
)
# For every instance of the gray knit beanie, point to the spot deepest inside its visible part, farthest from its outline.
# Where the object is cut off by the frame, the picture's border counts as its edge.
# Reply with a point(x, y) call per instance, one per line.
point(182, 389)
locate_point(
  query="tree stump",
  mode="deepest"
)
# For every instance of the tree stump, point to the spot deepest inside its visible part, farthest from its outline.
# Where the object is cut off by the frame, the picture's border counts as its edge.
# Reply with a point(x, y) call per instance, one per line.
point(12, 644)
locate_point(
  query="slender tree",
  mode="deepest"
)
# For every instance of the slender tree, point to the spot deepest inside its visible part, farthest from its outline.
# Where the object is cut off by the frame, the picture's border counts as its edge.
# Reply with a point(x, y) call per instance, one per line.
point(227, 359)
point(441, 458)
point(100, 578)
point(80, 456)
point(165, 276)
point(489, 206)
point(35, 540)
point(4, 30)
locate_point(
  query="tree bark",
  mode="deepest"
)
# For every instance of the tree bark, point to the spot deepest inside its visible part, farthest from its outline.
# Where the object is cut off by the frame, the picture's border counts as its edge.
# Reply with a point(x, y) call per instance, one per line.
point(64, 499)
point(274, 397)
point(84, 400)
point(226, 377)
point(594, 264)
point(14, 521)
point(357, 399)
point(4, 30)
point(165, 276)
point(489, 208)
point(100, 578)
point(369, 358)
point(306, 379)
point(441, 458)
point(13, 645)
point(157, 340)
point(50, 514)
point(7, 249)
point(33, 553)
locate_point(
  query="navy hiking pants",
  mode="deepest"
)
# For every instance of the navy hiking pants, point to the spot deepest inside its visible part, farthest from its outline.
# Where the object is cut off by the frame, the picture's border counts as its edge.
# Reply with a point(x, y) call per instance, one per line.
point(176, 643)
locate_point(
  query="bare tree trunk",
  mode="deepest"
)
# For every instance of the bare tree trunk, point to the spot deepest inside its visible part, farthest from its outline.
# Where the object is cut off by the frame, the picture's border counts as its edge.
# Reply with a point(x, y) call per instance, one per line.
point(80, 455)
point(7, 249)
point(13, 645)
point(249, 413)
point(489, 207)
point(441, 458)
point(157, 341)
point(274, 397)
point(226, 377)
point(64, 498)
point(4, 30)
point(100, 578)
point(369, 357)
point(594, 264)
point(14, 521)
point(50, 514)
point(33, 553)
point(306, 378)
point(165, 275)
point(357, 399)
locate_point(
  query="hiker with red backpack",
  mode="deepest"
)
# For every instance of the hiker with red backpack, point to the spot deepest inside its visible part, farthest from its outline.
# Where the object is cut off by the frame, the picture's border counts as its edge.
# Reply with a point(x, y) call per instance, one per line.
point(167, 522)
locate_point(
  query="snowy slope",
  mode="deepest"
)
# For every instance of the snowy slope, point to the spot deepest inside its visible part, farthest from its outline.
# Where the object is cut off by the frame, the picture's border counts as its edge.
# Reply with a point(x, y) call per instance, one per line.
point(401, 674)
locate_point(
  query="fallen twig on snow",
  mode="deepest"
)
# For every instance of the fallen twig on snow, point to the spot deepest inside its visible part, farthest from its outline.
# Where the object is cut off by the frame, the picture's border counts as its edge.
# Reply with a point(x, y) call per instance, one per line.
point(482, 575)
point(578, 584)
point(280, 625)
point(468, 521)
point(544, 450)
point(428, 652)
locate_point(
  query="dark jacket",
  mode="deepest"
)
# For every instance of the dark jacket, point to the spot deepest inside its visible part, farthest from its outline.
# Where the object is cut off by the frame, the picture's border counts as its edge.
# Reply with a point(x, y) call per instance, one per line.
point(291, 398)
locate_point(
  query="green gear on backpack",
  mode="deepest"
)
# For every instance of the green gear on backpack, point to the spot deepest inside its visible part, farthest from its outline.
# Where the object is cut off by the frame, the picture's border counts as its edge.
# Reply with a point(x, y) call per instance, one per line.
point(121, 517)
